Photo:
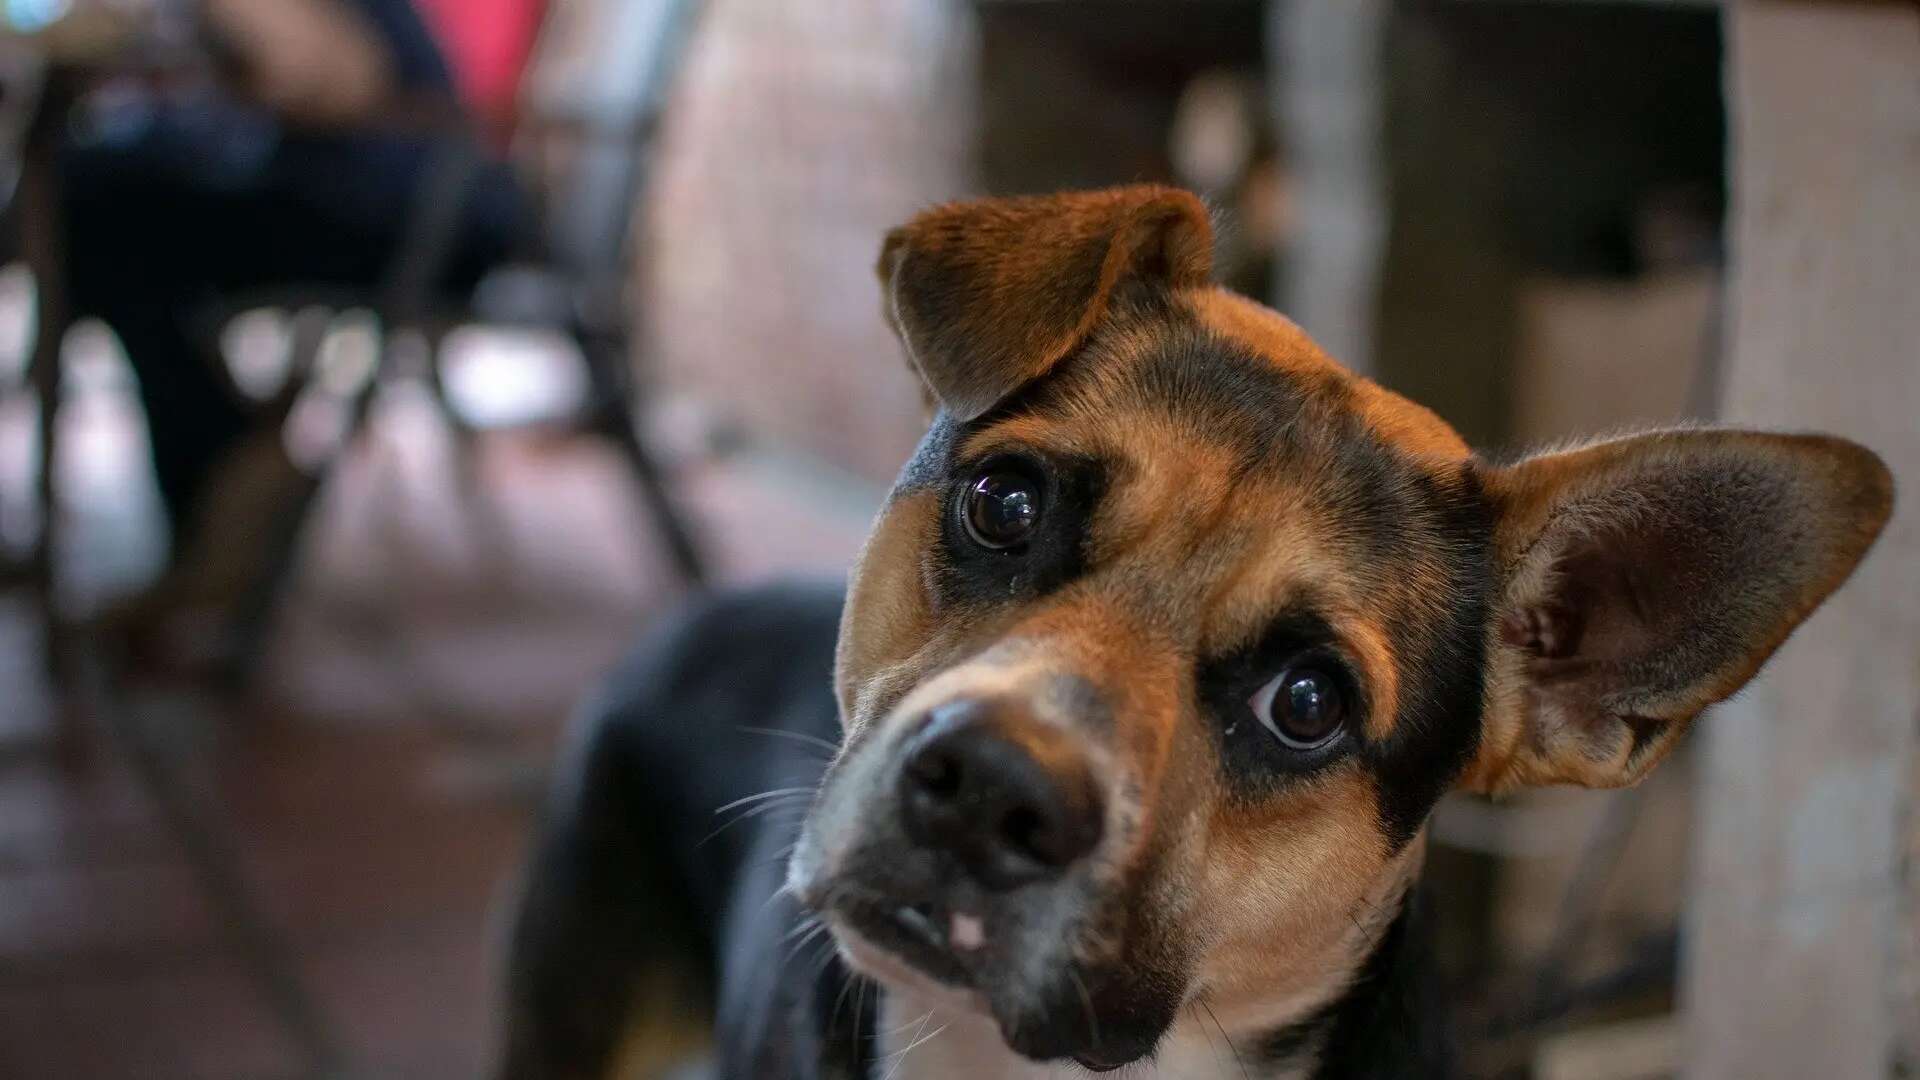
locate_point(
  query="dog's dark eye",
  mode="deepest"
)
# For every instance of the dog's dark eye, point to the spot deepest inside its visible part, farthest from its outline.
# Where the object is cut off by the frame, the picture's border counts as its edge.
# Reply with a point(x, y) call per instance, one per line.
point(1001, 507)
point(1304, 706)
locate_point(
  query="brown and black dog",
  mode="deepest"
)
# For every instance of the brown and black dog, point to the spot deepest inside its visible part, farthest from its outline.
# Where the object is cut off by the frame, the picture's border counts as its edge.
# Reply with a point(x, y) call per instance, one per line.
point(1162, 650)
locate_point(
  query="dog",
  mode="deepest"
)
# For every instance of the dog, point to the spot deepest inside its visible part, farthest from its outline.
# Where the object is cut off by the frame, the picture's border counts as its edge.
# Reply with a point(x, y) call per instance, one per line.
point(1120, 748)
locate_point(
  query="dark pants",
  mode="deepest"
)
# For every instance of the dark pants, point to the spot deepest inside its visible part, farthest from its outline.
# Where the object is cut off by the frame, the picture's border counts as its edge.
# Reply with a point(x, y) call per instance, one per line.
point(159, 233)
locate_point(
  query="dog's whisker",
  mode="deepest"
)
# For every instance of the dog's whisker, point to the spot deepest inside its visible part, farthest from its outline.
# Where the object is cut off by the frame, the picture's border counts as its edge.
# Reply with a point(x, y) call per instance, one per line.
point(806, 925)
point(1353, 916)
point(841, 998)
point(761, 796)
point(794, 952)
point(781, 856)
point(808, 935)
point(920, 1020)
point(859, 1007)
point(790, 802)
point(920, 1042)
point(900, 1056)
point(1237, 1060)
point(774, 897)
point(773, 806)
point(1086, 1002)
point(828, 950)
point(1193, 1013)
point(797, 736)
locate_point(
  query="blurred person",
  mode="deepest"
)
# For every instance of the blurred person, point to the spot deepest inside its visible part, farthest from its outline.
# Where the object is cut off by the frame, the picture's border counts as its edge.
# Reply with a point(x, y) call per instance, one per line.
point(300, 169)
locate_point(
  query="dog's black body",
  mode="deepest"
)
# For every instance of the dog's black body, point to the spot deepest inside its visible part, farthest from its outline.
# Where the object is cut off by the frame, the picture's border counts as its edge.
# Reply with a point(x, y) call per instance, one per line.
point(638, 871)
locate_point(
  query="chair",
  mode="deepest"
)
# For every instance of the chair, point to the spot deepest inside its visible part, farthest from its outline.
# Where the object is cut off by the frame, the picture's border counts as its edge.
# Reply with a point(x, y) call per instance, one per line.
point(600, 103)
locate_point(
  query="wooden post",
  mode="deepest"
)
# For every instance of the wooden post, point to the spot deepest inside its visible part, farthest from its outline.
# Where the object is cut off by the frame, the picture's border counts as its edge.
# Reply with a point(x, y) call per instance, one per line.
point(1800, 938)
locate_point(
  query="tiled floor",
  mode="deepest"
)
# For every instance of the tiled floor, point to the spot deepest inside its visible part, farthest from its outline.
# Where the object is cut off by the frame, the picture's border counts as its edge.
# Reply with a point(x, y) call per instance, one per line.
point(370, 800)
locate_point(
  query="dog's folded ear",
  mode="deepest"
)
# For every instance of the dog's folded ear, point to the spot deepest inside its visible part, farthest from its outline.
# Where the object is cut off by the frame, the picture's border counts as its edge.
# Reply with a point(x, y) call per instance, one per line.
point(988, 295)
point(1646, 578)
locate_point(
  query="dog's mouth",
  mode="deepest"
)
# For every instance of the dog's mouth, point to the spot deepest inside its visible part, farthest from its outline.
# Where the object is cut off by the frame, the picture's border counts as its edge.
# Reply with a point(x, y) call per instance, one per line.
point(920, 935)
point(946, 953)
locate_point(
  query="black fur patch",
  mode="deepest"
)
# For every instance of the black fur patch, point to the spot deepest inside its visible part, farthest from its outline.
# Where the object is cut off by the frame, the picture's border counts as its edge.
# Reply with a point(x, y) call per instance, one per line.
point(929, 465)
point(1255, 760)
point(1441, 661)
point(1388, 1025)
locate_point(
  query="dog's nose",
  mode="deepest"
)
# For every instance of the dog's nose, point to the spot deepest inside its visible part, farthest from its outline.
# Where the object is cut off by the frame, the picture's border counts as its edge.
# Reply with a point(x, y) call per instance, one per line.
point(1013, 799)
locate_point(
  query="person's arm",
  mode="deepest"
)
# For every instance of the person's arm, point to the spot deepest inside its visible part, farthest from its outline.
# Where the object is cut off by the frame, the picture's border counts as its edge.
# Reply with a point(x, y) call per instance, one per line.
point(317, 62)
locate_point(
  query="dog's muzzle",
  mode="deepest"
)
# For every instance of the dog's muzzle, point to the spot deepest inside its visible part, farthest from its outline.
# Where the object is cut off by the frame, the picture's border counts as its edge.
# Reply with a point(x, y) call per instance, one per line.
point(963, 851)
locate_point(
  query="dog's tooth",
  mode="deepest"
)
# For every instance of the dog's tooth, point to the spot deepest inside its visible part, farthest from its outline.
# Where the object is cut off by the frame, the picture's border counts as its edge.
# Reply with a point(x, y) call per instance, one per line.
point(967, 932)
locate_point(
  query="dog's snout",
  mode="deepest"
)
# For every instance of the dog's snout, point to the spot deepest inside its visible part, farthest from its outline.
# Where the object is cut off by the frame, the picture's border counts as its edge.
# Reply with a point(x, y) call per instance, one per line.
point(1012, 799)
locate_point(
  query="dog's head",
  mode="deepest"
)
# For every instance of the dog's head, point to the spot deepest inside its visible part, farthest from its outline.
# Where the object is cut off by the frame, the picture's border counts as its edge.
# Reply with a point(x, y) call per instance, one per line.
point(1173, 630)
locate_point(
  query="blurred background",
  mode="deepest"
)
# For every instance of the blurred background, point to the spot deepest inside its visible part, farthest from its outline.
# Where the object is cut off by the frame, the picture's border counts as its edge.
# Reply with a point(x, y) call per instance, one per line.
point(373, 371)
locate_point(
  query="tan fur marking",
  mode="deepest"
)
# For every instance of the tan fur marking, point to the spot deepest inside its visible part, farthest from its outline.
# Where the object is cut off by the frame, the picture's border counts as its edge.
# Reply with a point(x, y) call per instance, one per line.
point(1295, 886)
point(887, 616)
point(1399, 422)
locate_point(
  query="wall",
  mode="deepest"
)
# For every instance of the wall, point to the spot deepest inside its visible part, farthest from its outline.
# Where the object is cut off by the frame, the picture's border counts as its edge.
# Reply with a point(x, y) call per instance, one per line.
point(799, 135)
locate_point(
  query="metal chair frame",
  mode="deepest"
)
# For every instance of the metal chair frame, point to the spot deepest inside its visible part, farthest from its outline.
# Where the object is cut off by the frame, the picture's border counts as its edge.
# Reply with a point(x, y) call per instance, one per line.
point(618, 137)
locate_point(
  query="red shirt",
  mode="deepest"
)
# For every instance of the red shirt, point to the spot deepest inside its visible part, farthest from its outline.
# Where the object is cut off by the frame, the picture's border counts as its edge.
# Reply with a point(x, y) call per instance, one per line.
point(487, 43)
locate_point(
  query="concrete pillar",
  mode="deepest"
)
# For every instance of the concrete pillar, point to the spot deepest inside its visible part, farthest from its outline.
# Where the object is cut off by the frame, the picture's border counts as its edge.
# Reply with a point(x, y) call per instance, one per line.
point(1801, 934)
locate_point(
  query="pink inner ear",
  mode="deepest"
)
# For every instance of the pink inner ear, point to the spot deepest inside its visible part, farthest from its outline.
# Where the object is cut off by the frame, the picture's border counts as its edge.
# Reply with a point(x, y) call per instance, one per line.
point(1621, 595)
point(1548, 631)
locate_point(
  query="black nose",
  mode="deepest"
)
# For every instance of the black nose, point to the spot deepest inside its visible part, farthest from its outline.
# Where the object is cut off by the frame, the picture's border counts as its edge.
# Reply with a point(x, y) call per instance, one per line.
point(1011, 798)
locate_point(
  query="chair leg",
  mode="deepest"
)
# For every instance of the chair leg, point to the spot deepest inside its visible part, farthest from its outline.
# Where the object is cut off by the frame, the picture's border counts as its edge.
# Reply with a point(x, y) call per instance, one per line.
point(660, 502)
point(46, 377)
point(613, 416)
point(45, 249)
point(253, 617)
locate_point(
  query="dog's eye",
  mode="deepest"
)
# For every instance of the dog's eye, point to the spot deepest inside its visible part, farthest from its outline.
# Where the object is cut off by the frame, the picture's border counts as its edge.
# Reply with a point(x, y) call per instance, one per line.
point(1304, 706)
point(1001, 507)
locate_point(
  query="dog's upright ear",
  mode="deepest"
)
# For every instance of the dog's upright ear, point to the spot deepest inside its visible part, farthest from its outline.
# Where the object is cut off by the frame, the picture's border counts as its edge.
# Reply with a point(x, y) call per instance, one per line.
point(988, 295)
point(1646, 578)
